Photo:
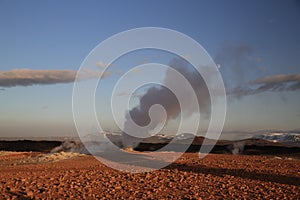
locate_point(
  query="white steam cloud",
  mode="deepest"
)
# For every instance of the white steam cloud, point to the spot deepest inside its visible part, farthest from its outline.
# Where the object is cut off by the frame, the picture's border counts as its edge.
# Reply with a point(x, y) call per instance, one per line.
point(163, 96)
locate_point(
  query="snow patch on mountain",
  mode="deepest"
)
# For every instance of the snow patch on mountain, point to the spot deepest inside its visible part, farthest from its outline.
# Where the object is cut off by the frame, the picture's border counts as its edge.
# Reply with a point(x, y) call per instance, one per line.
point(280, 137)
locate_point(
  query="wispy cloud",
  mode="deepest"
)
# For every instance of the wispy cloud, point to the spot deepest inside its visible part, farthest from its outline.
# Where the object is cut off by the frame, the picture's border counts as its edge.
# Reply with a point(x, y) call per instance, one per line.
point(138, 95)
point(123, 94)
point(87, 73)
point(103, 65)
point(275, 83)
point(186, 56)
point(136, 70)
point(119, 72)
point(45, 107)
point(278, 79)
point(29, 77)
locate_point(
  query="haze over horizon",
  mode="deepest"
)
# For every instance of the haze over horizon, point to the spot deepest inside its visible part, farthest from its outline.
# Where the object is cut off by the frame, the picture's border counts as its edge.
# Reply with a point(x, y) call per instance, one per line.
point(254, 43)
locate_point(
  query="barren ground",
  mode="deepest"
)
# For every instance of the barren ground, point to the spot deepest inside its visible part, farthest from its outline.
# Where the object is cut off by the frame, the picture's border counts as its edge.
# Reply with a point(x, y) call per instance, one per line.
point(36, 176)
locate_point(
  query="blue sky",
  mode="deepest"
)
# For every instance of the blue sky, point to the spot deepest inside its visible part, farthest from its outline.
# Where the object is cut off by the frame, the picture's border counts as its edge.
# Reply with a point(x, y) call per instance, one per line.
point(261, 37)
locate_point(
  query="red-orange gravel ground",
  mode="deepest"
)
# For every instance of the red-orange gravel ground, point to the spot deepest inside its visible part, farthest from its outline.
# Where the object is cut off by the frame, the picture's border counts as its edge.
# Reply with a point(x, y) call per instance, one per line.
point(214, 177)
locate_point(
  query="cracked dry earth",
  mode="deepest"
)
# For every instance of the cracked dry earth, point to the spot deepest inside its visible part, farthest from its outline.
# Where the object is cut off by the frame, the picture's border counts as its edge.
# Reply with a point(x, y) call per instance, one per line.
point(214, 177)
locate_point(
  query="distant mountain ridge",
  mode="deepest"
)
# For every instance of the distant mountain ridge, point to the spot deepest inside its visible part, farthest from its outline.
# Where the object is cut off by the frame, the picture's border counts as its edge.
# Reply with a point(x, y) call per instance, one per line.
point(280, 137)
point(266, 144)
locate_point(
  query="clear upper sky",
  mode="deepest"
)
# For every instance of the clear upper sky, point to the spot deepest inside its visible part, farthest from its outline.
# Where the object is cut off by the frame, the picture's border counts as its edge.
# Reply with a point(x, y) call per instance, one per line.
point(249, 39)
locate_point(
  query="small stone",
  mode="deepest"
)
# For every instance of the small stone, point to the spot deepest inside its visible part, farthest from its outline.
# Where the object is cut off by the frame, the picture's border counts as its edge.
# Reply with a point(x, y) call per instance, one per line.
point(30, 194)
